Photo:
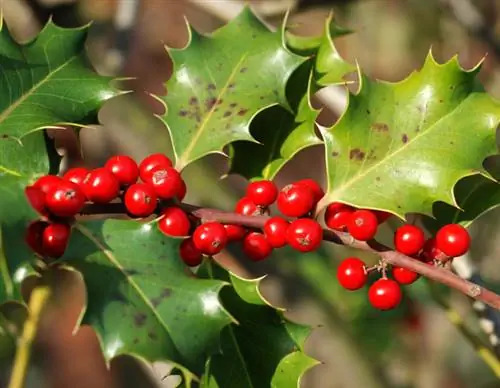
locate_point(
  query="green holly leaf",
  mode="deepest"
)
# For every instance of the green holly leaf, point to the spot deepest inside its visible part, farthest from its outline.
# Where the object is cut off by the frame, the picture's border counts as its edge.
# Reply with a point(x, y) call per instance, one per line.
point(282, 134)
point(220, 82)
point(46, 83)
point(475, 195)
point(142, 299)
point(264, 349)
point(400, 147)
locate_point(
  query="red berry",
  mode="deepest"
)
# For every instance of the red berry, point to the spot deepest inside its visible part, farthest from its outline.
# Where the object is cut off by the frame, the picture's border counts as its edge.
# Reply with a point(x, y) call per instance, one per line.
point(362, 225)
point(174, 222)
point(304, 235)
point(352, 274)
point(182, 191)
point(337, 216)
point(76, 175)
point(153, 162)
point(262, 193)
point(318, 192)
point(453, 240)
point(409, 239)
point(124, 168)
point(295, 200)
point(189, 253)
point(235, 232)
point(36, 198)
point(101, 186)
point(140, 200)
point(381, 216)
point(65, 200)
point(210, 238)
point(55, 238)
point(256, 246)
point(430, 252)
point(47, 182)
point(385, 294)
point(247, 207)
point(33, 236)
point(275, 231)
point(403, 275)
point(166, 182)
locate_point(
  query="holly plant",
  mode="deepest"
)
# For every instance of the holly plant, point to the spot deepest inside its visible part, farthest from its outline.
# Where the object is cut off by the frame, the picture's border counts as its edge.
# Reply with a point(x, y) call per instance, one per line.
point(155, 288)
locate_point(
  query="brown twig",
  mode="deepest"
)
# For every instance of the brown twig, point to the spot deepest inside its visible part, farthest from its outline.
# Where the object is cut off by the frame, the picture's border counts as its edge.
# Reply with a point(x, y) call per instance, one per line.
point(437, 274)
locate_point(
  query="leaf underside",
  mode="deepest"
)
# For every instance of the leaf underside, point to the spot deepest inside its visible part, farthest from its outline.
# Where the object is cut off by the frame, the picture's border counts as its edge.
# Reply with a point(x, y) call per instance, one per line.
point(44, 83)
point(408, 143)
point(264, 349)
point(220, 82)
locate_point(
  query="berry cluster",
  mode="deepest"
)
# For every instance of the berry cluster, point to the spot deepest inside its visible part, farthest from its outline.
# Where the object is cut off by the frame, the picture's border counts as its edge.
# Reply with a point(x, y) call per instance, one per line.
point(450, 241)
point(59, 199)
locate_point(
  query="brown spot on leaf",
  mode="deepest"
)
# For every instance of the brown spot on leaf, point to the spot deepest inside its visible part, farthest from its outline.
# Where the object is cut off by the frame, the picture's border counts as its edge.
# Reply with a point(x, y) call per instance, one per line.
point(130, 271)
point(140, 319)
point(368, 111)
point(220, 101)
point(183, 113)
point(233, 105)
point(242, 112)
point(380, 127)
point(152, 335)
point(211, 87)
point(166, 292)
point(135, 341)
point(404, 138)
point(377, 179)
point(193, 101)
point(231, 86)
point(210, 102)
point(227, 113)
point(357, 154)
point(243, 69)
point(335, 154)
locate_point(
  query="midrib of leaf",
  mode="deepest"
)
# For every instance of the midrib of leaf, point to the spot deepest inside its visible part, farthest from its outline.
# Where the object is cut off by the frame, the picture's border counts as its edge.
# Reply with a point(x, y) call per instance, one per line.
point(231, 332)
point(182, 161)
point(35, 87)
point(389, 156)
point(114, 261)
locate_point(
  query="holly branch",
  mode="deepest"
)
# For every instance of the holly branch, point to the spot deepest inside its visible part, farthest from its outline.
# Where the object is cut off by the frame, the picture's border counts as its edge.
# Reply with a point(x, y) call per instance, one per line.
point(387, 255)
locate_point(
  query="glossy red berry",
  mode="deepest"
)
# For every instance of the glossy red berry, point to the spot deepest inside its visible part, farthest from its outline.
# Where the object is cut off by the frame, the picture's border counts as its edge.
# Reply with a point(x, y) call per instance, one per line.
point(235, 232)
point(337, 216)
point(362, 225)
point(256, 247)
point(140, 200)
point(182, 191)
point(247, 207)
point(210, 238)
point(385, 294)
point(318, 192)
point(262, 193)
point(352, 274)
point(275, 231)
point(101, 186)
point(190, 254)
point(174, 222)
point(295, 200)
point(304, 235)
point(403, 275)
point(36, 198)
point(47, 182)
point(409, 239)
point(65, 200)
point(33, 236)
point(453, 240)
point(151, 163)
point(430, 251)
point(124, 168)
point(55, 238)
point(166, 182)
point(76, 175)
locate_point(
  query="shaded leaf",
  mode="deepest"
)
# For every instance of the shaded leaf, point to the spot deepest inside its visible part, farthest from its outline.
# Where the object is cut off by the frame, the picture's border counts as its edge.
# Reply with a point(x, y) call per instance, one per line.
point(44, 83)
point(264, 349)
point(12, 318)
point(141, 298)
point(220, 82)
point(408, 143)
point(282, 134)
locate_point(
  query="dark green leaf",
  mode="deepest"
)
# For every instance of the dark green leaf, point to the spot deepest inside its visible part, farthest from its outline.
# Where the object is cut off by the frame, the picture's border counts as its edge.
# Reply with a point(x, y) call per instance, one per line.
point(264, 349)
